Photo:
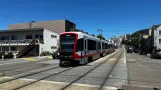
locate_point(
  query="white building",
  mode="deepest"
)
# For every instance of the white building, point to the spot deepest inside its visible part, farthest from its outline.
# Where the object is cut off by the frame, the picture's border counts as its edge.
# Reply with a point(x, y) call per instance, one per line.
point(28, 42)
point(157, 36)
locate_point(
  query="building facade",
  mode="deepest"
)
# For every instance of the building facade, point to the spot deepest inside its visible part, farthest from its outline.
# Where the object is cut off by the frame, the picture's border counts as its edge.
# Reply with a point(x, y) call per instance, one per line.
point(57, 26)
point(29, 42)
point(157, 36)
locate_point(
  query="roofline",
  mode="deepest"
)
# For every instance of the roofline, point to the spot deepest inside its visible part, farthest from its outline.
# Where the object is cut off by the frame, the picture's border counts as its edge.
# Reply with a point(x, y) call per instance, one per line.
point(17, 30)
point(79, 33)
point(43, 21)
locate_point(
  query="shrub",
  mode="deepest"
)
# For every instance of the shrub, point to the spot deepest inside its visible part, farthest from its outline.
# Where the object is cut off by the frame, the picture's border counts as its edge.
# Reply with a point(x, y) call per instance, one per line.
point(5, 56)
point(9, 55)
point(1, 53)
point(45, 53)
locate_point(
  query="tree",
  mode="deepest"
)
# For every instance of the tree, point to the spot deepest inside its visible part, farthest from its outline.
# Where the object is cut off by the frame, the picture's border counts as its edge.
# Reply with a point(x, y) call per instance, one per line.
point(126, 42)
point(100, 37)
point(135, 41)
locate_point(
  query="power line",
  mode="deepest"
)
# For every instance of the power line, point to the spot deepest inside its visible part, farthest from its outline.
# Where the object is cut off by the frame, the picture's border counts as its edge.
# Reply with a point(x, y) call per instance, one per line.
point(10, 17)
point(67, 8)
point(57, 1)
point(103, 8)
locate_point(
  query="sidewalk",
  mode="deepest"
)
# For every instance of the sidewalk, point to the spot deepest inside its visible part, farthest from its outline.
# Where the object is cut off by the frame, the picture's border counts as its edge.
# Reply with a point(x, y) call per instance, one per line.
point(29, 58)
point(143, 71)
point(37, 58)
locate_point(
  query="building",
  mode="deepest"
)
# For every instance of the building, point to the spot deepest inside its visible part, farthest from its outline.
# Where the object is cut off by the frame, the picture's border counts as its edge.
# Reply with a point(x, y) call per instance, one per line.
point(28, 42)
point(156, 36)
point(127, 37)
point(117, 40)
point(57, 26)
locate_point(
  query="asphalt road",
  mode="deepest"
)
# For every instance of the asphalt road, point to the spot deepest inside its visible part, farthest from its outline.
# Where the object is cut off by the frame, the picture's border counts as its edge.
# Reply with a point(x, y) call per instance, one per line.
point(143, 71)
point(137, 72)
point(54, 81)
point(17, 66)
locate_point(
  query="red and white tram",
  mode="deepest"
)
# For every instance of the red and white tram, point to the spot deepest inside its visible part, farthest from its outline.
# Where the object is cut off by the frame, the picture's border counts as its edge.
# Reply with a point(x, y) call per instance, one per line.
point(80, 48)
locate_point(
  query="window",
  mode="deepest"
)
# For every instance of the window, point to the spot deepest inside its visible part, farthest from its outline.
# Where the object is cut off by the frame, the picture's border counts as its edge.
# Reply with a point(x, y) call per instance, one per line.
point(91, 45)
point(2, 37)
point(13, 37)
point(41, 36)
point(5, 48)
point(103, 45)
point(7, 38)
point(159, 41)
point(53, 36)
point(99, 46)
point(159, 32)
point(36, 36)
point(28, 36)
point(14, 48)
point(80, 45)
point(85, 43)
point(53, 47)
point(67, 42)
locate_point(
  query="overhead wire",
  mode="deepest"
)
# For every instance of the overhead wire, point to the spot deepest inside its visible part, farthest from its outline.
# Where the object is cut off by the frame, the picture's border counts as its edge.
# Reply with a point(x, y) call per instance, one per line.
point(10, 17)
point(68, 9)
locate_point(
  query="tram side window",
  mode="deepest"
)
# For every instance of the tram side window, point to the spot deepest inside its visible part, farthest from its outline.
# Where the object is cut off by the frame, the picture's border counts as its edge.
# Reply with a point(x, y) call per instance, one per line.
point(106, 46)
point(80, 44)
point(103, 45)
point(99, 45)
point(91, 45)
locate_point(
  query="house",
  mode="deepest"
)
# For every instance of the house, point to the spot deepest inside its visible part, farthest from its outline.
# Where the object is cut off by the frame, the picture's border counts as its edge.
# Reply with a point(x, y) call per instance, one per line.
point(57, 26)
point(28, 42)
point(156, 35)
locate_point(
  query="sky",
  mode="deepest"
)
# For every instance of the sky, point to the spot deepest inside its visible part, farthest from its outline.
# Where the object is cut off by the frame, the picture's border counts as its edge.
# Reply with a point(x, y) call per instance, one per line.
point(114, 17)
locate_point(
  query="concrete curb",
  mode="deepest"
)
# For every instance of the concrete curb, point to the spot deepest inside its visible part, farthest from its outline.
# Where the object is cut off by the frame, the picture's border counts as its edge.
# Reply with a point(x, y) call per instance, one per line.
point(125, 58)
point(28, 73)
point(28, 58)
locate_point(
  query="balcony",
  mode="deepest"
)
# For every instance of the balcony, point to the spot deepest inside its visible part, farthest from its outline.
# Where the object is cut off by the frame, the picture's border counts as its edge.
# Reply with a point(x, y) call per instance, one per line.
point(26, 41)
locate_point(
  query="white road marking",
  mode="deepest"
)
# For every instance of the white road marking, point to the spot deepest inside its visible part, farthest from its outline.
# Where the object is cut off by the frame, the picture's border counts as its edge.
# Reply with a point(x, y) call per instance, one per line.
point(77, 84)
point(14, 62)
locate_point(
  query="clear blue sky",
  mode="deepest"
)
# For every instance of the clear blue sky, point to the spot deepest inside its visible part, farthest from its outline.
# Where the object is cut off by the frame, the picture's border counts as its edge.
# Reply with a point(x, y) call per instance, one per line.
point(112, 16)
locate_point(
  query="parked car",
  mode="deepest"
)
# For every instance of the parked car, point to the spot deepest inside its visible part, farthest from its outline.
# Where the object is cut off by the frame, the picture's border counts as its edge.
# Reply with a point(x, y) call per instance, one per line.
point(55, 55)
point(129, 50)
point(156, 54)
point(136, 50)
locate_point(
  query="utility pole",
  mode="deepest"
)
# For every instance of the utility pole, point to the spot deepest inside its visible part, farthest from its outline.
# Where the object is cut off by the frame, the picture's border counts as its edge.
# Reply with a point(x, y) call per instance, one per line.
point(100, 31)
point(155, 38)
point(153, 29)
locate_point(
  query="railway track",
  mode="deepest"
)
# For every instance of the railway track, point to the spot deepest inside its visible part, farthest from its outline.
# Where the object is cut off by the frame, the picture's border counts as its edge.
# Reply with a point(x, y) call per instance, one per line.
point(28, 74)
point(53, 74)
point(108, 74)
point(103, 82)
point(28, 65)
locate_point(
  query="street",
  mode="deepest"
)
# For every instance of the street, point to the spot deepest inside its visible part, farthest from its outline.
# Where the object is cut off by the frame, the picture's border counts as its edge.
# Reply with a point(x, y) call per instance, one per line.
point(138, 70)
point(143, 71)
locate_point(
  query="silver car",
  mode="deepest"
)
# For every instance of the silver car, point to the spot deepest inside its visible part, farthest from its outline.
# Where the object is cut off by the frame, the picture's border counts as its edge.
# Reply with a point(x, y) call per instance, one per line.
point(156, 54)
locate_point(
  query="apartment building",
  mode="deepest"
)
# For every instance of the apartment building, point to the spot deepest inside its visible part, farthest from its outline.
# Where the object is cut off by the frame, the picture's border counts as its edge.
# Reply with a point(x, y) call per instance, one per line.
point(28, 42)
point(57, 26)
